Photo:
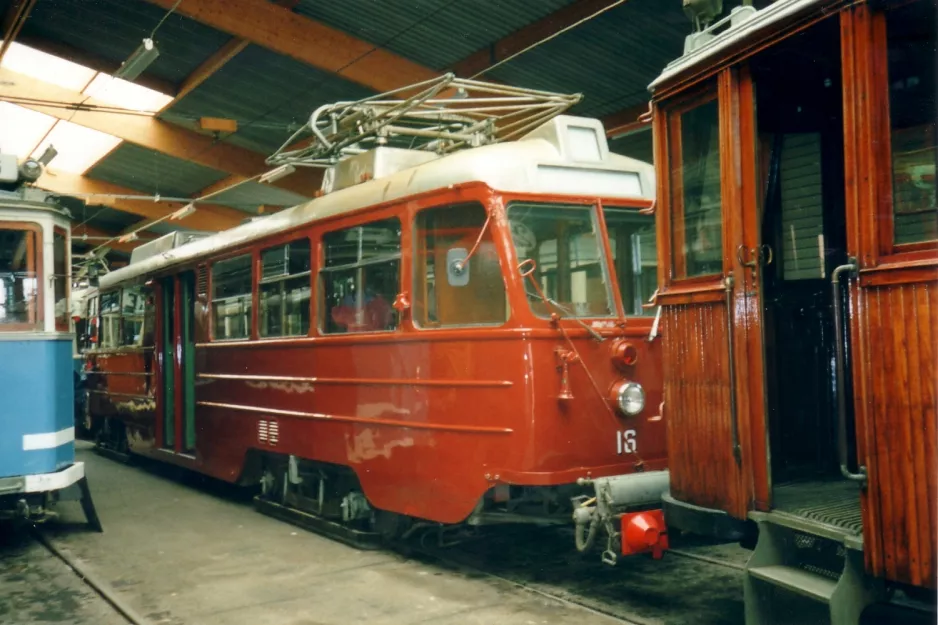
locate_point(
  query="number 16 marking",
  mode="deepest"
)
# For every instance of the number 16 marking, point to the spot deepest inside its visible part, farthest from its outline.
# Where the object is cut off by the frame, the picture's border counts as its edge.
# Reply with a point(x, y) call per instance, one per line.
point(625, 442)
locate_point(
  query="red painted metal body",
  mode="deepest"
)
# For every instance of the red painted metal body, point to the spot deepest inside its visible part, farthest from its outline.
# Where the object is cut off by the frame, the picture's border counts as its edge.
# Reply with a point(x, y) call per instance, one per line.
point(644, 532)
point(429, 419)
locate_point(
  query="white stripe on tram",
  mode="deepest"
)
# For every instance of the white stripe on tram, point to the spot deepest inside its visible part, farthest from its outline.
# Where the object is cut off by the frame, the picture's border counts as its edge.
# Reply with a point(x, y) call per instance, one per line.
point(48, 440)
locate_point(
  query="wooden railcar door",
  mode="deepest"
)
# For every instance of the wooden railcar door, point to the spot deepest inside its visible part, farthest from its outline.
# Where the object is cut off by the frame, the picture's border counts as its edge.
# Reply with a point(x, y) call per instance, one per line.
point(710, 320)
point(891, 155)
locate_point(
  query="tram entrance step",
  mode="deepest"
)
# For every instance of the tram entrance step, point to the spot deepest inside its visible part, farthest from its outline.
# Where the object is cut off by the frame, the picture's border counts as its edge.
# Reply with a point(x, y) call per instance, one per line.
point(350, 536)
point(799, 576)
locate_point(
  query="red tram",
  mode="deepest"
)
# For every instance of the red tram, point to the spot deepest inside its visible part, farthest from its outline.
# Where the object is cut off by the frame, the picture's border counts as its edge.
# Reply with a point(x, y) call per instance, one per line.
point(438, 339)
point(798, 247)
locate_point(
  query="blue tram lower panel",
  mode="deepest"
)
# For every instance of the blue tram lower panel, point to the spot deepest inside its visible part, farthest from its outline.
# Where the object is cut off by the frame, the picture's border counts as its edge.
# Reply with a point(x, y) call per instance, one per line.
point(37, 423)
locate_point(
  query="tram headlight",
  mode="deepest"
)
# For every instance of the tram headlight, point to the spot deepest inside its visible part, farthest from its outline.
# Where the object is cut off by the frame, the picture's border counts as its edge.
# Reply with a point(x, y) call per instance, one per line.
point(629, 397)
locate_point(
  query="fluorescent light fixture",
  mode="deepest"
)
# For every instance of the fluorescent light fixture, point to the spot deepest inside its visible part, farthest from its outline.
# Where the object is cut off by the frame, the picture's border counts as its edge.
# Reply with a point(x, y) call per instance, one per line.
point(127, 238)
point(47, 156)
point(276, 174)
point(126, 94)
point(22, 128)
point(78, 148)
point(183, 212)
point(139, 61)
point(46, 67)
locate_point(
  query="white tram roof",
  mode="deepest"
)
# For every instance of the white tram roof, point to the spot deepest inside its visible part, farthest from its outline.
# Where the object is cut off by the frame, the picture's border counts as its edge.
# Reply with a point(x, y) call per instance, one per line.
point(565, 156)
point(757, 26)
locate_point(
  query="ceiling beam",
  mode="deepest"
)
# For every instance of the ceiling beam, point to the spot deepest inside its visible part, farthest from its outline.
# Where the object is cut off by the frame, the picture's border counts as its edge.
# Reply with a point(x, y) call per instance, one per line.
point(13, 19)
point(209, 217)
point(91, 61)
point(526, 36)
point(626, 121)
point(144, 131)
point(212, 64)
point(285, 32)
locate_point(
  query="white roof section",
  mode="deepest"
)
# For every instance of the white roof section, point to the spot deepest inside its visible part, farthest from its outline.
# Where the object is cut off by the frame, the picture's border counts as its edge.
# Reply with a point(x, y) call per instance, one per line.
point(566, 156)
point(763, 21)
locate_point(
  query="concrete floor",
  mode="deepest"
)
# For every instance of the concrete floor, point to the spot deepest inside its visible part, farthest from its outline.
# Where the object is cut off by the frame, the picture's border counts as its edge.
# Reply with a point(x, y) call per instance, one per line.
point(182, 550)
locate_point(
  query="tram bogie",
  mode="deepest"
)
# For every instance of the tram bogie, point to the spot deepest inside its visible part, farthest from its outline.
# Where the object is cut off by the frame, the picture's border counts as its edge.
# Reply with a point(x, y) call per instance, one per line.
point(445, 344)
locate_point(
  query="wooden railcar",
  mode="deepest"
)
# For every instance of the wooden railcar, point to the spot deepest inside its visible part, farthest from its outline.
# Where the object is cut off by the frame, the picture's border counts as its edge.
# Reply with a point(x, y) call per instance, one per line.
point(462, 341)
point(797, 236)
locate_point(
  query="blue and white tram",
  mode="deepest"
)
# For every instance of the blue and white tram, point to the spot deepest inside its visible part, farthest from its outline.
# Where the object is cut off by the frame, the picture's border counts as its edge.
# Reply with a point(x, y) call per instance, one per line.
point(37, 428)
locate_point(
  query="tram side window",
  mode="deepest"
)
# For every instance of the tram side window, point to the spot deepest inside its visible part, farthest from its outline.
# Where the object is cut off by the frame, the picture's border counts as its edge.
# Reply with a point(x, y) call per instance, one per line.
point(360, 278)
point(475, 296)
point(634, 256)
point(695, 191)
point(910, 33)
point(133, 309)
point(284, 290)
point(19, 295)
point(110, 319)
point(231, 298)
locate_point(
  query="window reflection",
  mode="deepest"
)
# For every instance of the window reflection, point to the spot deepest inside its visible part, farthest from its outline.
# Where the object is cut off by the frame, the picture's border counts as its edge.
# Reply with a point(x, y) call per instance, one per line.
point(18, 277)
point(695, 192)
point(564, 243)
point(634, 256)
point(912, 105)
point(361, 277)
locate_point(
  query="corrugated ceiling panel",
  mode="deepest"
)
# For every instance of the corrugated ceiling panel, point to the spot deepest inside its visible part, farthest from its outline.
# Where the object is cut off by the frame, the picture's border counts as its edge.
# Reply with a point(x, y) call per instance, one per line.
point(112, 29)
point(434, 33)
point(151, 172)
point(636, 145)
point(610, 59)
point(250, 195)
point(268, 94)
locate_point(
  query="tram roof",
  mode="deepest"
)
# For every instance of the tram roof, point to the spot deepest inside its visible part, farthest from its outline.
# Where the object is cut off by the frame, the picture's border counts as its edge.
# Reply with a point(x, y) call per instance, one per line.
point(543, 162)
point(756, 27)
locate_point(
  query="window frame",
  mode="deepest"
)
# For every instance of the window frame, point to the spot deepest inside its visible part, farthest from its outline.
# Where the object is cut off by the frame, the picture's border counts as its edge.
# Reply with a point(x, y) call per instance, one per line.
point(254, 258)
point(638, 210)
point(887, 249)
point(120, 321)
point(62, 324)
point(594, 206)
point(671, 188)
point(318, 261)
point(419, 256)
point(35, 311)
point(259, 281)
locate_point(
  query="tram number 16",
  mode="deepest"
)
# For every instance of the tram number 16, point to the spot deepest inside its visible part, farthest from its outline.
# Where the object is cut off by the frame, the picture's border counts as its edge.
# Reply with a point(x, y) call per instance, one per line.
point(625, 442)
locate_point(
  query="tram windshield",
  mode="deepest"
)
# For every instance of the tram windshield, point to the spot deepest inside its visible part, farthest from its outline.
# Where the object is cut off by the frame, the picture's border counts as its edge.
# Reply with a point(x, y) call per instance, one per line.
point(569, 265)
point(18, 276)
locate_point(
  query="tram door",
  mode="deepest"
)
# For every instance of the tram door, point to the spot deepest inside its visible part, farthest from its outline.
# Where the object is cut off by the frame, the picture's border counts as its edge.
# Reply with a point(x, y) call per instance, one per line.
point(802, 230)
point(176, 431)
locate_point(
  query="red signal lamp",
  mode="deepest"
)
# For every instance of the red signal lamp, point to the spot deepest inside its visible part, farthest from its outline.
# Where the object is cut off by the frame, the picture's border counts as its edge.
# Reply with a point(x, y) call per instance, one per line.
point(624, 354)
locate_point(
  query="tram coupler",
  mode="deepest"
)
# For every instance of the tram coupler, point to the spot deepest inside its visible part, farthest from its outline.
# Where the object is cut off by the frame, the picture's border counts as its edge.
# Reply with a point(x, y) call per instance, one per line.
point(625, 507)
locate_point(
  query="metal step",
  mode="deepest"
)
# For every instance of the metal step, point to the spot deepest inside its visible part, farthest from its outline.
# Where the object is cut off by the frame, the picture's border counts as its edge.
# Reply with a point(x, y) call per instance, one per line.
point(796, 580)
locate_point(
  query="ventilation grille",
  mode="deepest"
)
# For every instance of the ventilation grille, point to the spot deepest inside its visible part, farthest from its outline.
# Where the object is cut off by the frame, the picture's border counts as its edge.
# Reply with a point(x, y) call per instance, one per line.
point(268, 432)
point(201, 281)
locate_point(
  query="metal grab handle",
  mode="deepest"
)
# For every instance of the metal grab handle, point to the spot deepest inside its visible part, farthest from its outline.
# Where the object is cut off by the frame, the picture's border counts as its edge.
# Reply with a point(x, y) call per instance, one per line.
point(734, 422)
point(861, 475)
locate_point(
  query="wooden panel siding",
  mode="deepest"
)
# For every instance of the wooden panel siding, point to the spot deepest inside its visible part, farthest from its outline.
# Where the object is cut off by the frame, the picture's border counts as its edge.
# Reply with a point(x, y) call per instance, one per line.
point(697, 408)
point(898, 386)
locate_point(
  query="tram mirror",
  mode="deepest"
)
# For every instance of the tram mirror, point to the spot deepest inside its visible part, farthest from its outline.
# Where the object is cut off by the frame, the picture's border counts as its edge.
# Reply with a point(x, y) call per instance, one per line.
point(457, 267)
